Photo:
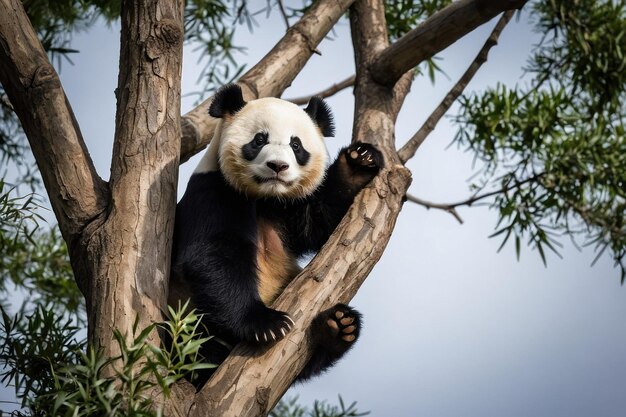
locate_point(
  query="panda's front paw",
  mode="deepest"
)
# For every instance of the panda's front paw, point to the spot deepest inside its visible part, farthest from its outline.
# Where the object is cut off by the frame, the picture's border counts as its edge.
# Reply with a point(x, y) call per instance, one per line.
point(364, 156)
point(337, 328)
point(265, 325)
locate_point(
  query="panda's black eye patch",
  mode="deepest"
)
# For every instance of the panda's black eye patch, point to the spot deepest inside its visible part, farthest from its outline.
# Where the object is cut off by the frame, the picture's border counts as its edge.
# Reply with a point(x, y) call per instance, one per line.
point(302, 156)
point(251, 149)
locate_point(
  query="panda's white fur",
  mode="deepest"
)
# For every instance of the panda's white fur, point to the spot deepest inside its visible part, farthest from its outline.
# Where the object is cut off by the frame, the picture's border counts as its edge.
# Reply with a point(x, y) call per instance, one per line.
point(281, 121)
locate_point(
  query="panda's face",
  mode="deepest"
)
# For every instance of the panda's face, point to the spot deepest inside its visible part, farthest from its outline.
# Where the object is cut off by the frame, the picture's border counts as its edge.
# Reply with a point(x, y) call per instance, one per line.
point(273, 148)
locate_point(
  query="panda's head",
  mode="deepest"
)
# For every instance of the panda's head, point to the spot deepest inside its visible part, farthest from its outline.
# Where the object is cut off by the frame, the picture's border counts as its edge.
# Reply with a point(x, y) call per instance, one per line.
point(271, 147)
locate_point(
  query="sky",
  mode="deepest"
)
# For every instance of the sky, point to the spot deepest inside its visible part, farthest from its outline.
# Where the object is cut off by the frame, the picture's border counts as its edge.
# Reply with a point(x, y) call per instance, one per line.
point(452, 328)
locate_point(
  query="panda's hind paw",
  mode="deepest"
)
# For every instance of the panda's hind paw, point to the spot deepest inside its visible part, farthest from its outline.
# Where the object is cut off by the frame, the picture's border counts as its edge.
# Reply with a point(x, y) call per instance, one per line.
point(362, 155)
point(338, 327)
point(266, 325)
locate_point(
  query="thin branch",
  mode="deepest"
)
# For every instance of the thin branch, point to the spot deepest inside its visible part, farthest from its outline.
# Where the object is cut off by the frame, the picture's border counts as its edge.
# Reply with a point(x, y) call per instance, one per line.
point(435, 34)
point(328, 92)
point(445, 207)
point(275, 72)
point(34, 90)
point(283, 13)
point(409, 149)
point(451, 207)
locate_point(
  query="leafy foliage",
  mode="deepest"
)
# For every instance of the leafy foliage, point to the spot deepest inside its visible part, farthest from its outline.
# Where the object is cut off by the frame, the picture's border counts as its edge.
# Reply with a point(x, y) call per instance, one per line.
point(291, 408)
point(44, 361)
point(556, 149)
point(34, 260)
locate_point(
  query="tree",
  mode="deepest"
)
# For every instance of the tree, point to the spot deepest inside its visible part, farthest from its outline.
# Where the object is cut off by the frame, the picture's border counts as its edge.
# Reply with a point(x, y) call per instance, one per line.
point(540, 147)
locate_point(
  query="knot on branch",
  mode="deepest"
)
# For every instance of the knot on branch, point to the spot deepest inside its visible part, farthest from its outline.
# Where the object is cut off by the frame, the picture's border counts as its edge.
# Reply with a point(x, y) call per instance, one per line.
point(45, 75)
point(262, 398)
point(399, 178)
point(167, 36)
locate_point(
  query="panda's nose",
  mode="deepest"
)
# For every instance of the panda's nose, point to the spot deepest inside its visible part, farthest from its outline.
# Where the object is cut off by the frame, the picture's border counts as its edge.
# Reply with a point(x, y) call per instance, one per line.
point(278, 166)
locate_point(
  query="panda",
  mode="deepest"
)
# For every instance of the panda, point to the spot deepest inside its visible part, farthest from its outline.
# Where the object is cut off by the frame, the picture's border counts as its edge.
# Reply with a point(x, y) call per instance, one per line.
point(262, 196)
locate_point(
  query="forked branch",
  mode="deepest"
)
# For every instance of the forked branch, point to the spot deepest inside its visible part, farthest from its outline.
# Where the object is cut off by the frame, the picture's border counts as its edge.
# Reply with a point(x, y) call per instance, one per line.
point(435, 34)
point(409, 149)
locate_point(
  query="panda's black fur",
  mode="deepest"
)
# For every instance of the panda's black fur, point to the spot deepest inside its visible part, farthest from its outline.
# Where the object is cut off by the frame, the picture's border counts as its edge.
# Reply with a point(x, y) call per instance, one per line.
point(220, 229)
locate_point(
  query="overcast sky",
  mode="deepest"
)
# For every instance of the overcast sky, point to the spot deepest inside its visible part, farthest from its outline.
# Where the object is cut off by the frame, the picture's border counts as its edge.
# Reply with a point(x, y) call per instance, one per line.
point(452, 328)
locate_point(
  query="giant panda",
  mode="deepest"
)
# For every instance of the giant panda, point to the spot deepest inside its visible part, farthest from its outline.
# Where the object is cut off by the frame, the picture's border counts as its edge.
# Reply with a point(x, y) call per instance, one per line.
point(262, 196)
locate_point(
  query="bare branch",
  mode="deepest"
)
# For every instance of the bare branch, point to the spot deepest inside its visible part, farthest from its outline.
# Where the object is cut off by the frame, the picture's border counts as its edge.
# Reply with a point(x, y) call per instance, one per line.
point(409, 149)
point(273, 73)
point(435, 34)
point(451, 207)
point(330, 91)
point(429, 205)
point(34, 90)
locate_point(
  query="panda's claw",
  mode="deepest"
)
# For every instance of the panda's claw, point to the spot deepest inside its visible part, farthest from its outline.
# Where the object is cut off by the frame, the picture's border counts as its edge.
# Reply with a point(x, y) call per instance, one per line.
point(265, 325)
point(363, 155)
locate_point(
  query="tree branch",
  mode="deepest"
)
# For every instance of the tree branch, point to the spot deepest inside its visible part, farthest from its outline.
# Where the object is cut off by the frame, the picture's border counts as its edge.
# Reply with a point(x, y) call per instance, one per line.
point(34, 90)
point(330, 91)
point(435, 34)
point(451, 207)
point(273, 73)
point(445, 207)
point(409, 149)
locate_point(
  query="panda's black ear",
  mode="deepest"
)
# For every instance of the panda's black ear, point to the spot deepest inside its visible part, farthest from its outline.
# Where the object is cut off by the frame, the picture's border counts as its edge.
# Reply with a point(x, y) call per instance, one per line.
point(320, 112)
point(227, 101)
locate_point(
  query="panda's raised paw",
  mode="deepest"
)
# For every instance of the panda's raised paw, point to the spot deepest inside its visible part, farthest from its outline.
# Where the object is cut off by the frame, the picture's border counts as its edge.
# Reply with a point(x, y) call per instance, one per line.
point(364, 156)
point(338, 327)
point(265, 325)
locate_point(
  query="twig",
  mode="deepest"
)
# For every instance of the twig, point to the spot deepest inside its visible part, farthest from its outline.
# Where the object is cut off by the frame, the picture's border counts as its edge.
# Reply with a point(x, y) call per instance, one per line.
point(281, 6)
point(429, 205)
point(451, 207)
point(330, 91)
point(409, 149)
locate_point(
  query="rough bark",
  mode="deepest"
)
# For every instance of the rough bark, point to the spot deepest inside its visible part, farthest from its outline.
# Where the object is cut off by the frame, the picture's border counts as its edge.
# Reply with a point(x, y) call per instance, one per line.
point(273, 74)
point(127, 254)
point(76, 192)
point(435, 34)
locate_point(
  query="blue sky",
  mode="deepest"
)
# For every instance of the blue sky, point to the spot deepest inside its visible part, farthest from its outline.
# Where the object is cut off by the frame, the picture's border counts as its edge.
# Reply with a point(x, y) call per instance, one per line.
point(452, 328)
